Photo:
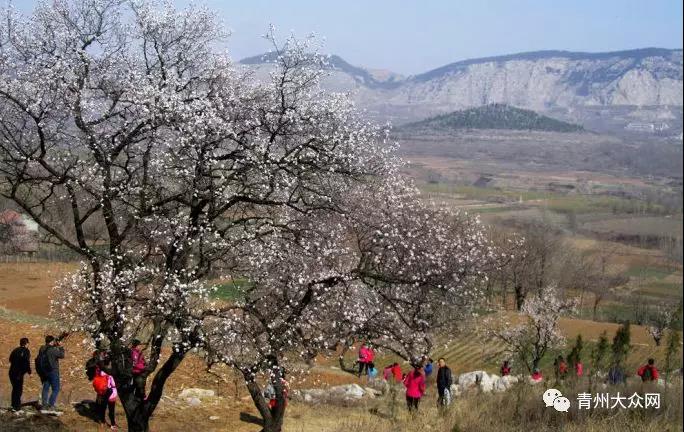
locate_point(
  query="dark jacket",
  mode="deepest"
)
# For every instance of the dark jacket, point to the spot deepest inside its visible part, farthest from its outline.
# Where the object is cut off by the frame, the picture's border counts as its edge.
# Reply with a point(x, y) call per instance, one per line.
point(53, 353)
point(444, 379)
point(20, 362)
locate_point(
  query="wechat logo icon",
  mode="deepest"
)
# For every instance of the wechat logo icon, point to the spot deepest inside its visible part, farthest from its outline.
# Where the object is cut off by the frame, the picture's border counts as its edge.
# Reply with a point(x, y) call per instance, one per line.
point(554, 398)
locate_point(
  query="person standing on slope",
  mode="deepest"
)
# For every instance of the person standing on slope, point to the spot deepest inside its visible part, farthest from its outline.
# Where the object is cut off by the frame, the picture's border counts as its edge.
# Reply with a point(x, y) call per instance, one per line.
point(20, 365)
point(415, 387)
point(47, 367)
point(444, 382)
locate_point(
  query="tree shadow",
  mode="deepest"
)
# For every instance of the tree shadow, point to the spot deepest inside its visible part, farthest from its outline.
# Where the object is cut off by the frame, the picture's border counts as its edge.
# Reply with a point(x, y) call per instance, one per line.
point(88, 409)
point(249, 418)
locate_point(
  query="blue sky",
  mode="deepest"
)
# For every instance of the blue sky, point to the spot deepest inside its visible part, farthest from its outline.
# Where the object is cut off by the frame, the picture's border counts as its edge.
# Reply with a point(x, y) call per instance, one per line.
point(415, 36)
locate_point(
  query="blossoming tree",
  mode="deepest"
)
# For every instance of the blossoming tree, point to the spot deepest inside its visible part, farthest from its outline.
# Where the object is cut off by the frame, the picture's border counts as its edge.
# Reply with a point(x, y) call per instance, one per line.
point(538, 332)
point(178, 168)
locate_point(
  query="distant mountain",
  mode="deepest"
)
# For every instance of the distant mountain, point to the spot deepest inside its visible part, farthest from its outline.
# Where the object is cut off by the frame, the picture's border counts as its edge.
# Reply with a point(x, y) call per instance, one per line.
point(540, 80)
point(371, 78)
point(494, 116)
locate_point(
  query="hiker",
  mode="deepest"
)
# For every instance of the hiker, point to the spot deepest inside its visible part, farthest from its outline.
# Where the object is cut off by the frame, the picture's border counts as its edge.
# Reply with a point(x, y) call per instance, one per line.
point(616, 375)
point(47, 367)
point(105, 389)
point(560, 368)
point(648, 372)
point(579, 368)
point(139, 365)
point(415, 387)
point(427, 368)
point(271, 393)
point(505, 368)
point(444, 382)
point(372, 372)
point(397, 373)
point(20, 365)
point(366, 356)
point(387, 373)
point(536, 376)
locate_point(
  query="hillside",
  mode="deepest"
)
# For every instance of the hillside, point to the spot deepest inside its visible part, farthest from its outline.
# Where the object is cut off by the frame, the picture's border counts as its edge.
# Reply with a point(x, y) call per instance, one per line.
point(539, 80)
point(493, 116)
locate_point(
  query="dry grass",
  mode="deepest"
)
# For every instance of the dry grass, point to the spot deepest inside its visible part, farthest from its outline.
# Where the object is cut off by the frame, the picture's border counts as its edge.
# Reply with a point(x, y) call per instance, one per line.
point(520, 409)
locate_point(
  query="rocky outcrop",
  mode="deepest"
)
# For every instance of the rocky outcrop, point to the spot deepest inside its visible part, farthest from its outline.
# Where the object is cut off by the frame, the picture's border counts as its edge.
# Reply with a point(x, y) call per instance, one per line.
point(536, 80)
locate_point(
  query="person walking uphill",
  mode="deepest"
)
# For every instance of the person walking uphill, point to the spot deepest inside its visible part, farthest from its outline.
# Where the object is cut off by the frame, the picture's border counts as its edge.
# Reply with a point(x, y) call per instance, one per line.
point(444, 382)
point(47, 367)
point(20, 365)
point(415, 387)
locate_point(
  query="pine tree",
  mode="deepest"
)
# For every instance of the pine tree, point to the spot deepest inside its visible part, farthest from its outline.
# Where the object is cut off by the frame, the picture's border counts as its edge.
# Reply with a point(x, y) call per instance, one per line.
point(621, 346)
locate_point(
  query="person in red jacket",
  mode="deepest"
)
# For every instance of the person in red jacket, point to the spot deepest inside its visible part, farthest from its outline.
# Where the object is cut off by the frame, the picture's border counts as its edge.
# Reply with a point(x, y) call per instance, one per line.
point(648, 372)
point(415, 387)
point(505, 368)
point(579, 368)
point(397, 373)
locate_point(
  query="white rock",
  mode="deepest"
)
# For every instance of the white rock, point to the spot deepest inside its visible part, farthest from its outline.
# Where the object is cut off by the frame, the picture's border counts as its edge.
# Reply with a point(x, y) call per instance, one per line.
point(193, 401)
point(214, 418)
point(455, 390)
point(372, 392)
point(504, 383)
point(486, 383)
point(349, 391)
point(196, 393)
point(469, 379)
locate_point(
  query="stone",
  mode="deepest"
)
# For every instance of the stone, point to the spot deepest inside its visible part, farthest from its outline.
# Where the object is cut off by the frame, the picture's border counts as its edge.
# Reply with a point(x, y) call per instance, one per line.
point(504, 383)
point(372, 392)
point(349, 391)
point(214, 418)
point(196, 393)
point(193, 401)
point(487, 382)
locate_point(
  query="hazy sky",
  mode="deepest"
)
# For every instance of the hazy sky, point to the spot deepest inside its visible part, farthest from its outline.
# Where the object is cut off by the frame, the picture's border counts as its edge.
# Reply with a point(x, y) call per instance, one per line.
point(415, 36)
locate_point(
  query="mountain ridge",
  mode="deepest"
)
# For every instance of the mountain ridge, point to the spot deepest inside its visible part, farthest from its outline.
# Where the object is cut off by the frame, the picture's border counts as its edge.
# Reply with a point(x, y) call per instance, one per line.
point(537, 80)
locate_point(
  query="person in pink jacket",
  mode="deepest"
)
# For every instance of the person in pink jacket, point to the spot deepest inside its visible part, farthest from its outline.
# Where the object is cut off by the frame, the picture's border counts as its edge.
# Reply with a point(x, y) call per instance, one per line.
point(415, 387)
point(366, 357)
point(105, 387)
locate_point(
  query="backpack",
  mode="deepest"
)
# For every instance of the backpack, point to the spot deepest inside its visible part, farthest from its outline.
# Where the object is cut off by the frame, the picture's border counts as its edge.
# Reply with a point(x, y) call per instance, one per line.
point(138, 361)
point(647, 374)
point(101, 384)
point(42, 362)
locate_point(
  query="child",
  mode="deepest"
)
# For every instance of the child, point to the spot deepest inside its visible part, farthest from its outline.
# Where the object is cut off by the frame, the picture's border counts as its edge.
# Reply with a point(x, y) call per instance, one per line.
point(105, 388)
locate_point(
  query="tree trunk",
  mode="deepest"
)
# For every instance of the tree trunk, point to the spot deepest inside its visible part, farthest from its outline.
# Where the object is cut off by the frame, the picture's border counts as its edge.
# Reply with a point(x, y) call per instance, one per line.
point(137, 417)
point(138, 410)
point(272, 418)
point(343, 364)
point(519, 296)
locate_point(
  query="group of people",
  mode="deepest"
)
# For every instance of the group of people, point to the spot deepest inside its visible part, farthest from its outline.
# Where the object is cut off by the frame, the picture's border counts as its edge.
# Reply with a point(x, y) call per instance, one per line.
point(416, 381)
point(46, 367)
point(616, 374)
point(98, 371)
